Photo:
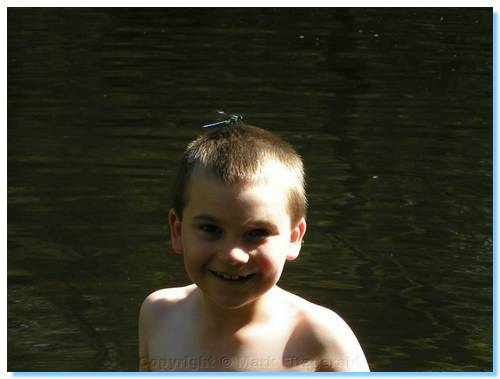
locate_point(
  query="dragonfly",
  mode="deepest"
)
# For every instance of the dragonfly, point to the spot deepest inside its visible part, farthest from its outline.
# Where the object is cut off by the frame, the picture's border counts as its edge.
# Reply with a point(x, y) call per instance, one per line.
point(229, 119)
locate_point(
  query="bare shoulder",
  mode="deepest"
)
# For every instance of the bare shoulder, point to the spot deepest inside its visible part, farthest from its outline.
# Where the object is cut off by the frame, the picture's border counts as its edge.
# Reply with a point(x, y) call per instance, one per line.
point(157, 308)
point(340, 348)
point(157, 303)
point(169, 295)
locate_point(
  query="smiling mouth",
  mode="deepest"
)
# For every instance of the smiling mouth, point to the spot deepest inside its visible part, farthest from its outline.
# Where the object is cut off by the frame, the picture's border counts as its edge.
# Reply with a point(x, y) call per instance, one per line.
point(232, 278)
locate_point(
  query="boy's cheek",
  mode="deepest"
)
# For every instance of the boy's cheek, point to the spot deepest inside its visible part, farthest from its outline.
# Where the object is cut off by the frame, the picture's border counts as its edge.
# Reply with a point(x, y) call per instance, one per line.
point(272, 254)
point(195, 247)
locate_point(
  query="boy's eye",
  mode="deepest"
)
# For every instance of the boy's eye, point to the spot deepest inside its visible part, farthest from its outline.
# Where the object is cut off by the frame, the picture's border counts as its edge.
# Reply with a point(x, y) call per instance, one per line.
point(210, 229)
point(258, 233)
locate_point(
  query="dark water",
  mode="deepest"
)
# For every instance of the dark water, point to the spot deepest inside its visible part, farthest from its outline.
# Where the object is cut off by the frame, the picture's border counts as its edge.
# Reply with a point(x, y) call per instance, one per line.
point(390, 108)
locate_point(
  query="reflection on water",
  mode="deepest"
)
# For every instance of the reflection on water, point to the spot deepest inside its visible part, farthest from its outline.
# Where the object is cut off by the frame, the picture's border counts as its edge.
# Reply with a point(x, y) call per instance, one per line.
point(391, 110)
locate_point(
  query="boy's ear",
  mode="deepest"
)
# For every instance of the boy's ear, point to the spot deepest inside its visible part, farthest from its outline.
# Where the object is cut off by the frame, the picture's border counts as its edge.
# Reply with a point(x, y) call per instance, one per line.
point(296, 239)
point(175, 231)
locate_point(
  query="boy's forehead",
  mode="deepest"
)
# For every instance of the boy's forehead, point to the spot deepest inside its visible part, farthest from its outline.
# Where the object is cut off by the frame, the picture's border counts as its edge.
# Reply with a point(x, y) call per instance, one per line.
point(277, 173)
point(255, 201)
point(262, 198)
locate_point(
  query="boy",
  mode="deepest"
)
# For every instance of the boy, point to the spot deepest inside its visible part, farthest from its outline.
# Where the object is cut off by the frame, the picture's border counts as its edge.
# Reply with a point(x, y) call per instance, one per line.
point(238, 215)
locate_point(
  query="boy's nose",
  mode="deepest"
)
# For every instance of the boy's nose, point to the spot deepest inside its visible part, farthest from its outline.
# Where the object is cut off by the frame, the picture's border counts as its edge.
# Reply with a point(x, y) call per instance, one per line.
point(235, 256)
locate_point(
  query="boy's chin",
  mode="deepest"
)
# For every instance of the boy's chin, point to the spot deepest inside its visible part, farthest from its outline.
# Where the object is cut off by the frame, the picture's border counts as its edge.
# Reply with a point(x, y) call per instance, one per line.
point(232, 296)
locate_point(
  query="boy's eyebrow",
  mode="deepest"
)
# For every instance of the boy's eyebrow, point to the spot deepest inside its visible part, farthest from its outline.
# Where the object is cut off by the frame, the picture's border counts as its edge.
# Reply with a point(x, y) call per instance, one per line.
point(261, 222)
point(206, 217)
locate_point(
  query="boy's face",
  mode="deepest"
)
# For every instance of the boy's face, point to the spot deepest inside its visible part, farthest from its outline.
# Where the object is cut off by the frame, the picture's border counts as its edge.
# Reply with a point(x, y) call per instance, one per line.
point(235, 239)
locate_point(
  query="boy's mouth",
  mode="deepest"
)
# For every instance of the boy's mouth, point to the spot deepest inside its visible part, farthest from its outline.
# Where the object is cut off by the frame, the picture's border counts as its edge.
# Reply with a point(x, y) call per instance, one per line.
point(233, 278)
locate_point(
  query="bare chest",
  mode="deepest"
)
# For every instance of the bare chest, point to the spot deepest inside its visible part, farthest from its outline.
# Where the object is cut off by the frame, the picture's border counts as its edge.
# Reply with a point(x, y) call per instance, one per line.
point(265, 350)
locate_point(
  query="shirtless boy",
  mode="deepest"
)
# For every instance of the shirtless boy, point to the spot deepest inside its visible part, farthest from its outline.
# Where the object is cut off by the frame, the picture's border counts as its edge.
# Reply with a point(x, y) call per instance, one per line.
point(238, 215)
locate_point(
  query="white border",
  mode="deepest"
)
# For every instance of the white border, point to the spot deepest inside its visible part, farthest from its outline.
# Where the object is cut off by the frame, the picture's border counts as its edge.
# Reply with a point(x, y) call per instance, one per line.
point(3, 190)
point(247, 3)
point(204, 3)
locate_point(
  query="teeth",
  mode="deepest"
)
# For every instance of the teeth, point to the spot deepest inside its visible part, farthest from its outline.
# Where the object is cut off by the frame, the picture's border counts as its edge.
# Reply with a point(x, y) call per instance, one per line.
point(231, 277)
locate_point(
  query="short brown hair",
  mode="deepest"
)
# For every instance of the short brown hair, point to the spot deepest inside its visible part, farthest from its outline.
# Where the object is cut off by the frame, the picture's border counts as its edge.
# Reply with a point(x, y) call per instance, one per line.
point(234, 153)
